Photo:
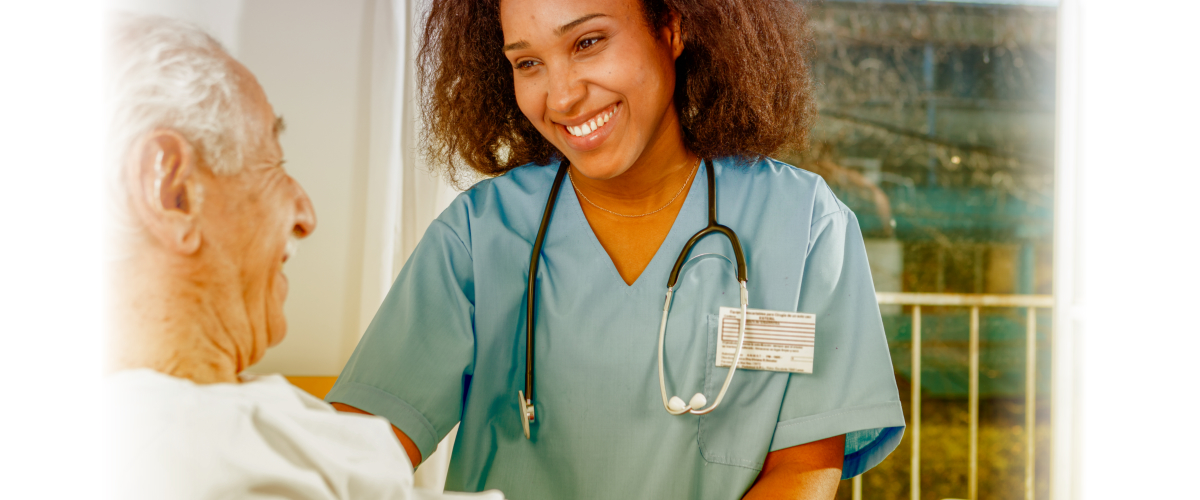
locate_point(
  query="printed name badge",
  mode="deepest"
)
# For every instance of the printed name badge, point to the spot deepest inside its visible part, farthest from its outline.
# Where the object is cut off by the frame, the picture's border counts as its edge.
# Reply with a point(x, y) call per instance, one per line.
point(775, 340)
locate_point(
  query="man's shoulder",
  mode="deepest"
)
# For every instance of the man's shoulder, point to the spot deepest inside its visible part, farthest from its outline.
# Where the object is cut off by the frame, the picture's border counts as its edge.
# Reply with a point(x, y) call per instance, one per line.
point(167, 436)
point(171, 436)
point(152, 412)
point(268, 400)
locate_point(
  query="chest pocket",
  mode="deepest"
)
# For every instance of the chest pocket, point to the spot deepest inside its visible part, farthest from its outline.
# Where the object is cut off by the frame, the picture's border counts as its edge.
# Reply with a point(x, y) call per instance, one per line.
point(739, 431)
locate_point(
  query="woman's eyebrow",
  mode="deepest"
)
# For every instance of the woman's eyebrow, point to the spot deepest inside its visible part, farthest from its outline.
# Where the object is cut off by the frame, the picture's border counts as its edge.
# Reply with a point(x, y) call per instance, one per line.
point(567, 27)
point(560, 31)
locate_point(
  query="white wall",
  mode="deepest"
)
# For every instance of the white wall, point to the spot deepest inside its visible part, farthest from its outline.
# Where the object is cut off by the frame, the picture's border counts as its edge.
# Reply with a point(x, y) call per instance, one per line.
point(309, 57)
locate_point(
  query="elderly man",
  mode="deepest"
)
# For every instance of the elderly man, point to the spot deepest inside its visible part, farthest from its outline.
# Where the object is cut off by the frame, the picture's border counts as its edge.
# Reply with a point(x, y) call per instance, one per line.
point(206, 216)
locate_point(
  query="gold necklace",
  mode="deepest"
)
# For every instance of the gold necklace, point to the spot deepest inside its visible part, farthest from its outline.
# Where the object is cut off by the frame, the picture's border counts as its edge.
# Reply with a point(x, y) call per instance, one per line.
point(677, 193)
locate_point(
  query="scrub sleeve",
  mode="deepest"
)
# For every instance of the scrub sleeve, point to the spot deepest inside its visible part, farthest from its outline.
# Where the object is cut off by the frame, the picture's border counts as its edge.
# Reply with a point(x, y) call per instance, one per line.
point(416, 359)
point(852, 366)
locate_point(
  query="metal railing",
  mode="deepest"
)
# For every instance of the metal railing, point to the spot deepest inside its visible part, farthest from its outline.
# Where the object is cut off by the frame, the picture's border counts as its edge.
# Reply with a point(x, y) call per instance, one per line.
point(975, 301)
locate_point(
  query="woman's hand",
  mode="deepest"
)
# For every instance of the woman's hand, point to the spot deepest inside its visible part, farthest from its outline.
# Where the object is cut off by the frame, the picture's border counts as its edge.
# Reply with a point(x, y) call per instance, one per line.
point(807, 471)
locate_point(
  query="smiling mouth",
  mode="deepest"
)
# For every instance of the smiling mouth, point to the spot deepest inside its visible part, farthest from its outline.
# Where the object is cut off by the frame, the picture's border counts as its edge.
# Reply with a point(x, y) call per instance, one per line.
point(590, 126)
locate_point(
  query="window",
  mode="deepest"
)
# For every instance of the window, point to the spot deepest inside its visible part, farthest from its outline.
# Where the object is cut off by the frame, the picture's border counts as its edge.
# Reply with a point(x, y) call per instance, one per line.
point(937, 129)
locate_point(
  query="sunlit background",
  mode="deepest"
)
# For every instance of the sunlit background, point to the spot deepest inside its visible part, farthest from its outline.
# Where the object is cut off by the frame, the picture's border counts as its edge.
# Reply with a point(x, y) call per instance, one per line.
point(1000, 155)
point(937, 129)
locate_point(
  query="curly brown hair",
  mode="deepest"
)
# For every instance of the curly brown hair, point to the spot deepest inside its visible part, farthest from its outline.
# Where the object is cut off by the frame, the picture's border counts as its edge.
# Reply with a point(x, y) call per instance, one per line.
point(743, 83)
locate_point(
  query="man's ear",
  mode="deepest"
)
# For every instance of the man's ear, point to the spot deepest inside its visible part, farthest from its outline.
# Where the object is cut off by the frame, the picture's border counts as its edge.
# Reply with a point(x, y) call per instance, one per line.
point(161, 180)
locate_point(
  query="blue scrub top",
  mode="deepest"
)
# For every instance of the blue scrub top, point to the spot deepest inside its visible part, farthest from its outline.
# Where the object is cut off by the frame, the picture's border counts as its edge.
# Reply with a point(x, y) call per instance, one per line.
point(448, 343)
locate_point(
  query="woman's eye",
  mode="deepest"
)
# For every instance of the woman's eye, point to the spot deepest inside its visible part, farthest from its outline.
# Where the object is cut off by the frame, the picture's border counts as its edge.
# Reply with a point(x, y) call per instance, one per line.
point(587, 42)
point(526, 64)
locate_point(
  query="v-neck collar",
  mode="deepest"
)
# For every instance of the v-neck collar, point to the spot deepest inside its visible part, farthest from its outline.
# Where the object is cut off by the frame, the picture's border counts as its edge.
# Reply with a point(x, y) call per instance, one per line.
point(692, 213)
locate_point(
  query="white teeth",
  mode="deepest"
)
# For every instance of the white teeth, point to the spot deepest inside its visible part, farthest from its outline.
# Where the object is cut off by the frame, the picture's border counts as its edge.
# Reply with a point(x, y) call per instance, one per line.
point(290, 249)
point(591, 125)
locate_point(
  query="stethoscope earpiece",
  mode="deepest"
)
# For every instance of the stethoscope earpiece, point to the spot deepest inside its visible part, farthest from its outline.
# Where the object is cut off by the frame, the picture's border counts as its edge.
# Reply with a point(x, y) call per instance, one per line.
point(676, 407)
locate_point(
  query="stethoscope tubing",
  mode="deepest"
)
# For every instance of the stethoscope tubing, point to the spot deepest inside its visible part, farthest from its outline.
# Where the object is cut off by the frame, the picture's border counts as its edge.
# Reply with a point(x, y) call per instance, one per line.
point(712, 227)
point(525, 398)
point(531, 291)
point(737, 357)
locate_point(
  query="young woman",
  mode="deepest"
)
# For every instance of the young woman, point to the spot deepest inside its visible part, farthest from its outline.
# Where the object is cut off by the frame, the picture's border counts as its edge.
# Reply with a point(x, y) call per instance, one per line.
point(613, 131)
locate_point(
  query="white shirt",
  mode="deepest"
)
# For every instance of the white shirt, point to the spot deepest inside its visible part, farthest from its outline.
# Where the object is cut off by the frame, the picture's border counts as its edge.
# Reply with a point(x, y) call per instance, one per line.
point(264, 438)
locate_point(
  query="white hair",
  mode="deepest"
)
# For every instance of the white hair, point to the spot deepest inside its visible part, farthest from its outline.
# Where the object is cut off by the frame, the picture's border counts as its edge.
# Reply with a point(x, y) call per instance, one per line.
point(167, 74)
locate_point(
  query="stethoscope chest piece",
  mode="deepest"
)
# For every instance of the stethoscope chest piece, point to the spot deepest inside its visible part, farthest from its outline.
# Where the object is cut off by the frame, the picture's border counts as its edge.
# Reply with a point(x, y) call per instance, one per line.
point(526, 408)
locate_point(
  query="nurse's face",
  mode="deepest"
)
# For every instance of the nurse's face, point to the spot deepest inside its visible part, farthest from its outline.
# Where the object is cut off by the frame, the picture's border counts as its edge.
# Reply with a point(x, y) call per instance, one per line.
point(594, 80)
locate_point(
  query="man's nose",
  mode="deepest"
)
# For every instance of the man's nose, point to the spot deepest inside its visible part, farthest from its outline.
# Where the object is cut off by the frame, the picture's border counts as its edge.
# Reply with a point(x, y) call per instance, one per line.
point(565, 92)
point(306, 216)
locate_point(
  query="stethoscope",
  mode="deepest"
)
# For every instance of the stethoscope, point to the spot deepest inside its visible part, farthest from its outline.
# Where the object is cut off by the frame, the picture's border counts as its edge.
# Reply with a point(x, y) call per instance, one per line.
point(674, 405)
